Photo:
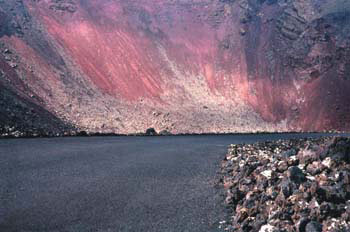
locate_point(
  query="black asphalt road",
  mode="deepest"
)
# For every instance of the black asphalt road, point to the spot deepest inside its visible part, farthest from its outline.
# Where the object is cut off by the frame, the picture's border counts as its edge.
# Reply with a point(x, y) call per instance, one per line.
point(113, 183)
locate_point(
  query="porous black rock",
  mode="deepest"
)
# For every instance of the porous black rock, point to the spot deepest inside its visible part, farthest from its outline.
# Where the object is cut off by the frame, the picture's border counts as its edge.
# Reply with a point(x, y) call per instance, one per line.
point(313, 226)
point(295, 174)
point(287, 188)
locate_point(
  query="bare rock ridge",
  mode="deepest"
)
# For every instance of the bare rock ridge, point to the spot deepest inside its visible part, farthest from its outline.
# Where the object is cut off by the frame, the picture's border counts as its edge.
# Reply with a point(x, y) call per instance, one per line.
point(177, 66)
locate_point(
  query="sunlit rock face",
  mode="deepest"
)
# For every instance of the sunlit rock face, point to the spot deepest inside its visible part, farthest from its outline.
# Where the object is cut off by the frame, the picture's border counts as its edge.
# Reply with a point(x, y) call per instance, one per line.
point(181, 65)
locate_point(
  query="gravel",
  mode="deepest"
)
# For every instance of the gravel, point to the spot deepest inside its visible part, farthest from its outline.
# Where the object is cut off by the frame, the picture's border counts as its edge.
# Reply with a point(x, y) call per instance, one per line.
point(288, 185)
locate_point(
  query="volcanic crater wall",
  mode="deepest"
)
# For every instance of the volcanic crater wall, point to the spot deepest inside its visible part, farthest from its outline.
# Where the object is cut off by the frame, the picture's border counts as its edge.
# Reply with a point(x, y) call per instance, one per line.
point(188, 66)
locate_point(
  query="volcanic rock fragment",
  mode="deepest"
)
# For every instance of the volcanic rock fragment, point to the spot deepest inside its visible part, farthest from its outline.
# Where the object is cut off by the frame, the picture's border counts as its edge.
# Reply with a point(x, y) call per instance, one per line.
point(313, 227)
point(295, 174)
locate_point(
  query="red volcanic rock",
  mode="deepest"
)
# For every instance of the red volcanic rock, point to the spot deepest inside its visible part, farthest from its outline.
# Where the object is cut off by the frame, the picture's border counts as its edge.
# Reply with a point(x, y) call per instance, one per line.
point(202, 66)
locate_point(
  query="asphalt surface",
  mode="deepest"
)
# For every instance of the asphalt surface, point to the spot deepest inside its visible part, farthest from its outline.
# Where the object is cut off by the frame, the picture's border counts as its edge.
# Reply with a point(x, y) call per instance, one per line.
point(114, 183)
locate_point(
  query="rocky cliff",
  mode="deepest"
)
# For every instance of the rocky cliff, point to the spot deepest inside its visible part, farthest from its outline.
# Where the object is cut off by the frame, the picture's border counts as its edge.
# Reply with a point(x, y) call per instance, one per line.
point(176, 65)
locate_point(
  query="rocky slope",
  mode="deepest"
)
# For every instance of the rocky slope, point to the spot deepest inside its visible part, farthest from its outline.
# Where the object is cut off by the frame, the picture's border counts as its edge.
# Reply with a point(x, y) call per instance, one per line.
point(295, 185)
point(182, 66)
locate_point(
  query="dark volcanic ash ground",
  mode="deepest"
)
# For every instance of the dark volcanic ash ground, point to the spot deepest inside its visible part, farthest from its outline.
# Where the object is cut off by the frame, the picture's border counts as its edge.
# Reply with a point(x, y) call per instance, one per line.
point(288, 185)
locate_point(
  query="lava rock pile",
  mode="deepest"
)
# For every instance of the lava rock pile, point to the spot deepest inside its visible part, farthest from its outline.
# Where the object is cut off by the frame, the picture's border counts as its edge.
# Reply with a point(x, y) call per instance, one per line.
point(292, 185)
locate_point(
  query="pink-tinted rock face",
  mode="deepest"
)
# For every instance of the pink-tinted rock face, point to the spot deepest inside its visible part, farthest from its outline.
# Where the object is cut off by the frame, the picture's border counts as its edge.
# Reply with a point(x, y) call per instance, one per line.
point(183, 66)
